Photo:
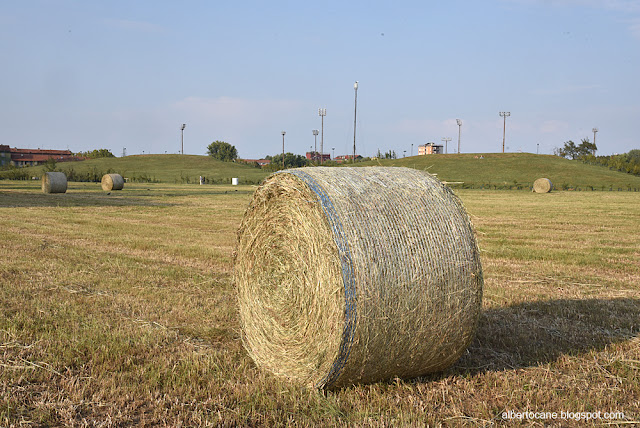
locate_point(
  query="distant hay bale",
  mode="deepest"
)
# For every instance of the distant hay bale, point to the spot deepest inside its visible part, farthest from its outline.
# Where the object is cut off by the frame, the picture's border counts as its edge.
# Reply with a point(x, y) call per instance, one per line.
point(54, 182)
point(112, 182)
point(356, 275)
point(542, 185)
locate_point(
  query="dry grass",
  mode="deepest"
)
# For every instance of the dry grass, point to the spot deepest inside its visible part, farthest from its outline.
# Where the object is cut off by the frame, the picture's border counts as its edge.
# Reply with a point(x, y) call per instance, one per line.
point(138, 325)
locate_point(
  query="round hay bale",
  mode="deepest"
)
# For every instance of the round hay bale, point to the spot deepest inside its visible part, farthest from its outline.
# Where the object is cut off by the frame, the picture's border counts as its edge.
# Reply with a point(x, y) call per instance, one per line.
point(54, 182)
point(112, 182)
point(542, 185)
point(355, 275)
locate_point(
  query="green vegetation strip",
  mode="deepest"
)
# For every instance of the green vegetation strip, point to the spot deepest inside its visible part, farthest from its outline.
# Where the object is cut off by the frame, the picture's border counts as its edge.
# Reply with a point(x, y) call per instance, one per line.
point(495, 171)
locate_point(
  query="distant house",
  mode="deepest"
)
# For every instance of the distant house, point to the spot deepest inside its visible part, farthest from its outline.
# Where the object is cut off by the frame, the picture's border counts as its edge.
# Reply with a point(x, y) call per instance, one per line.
point(5, 155)
point(317, 156)
point(31, 157)
point(430, 149)
point(345, 158)
point(261, 162)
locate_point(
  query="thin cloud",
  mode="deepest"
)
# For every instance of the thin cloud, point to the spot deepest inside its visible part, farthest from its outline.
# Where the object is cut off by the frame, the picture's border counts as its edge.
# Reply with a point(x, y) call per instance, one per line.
point(628, 7)
point(553, 126)
point(234, 111)
point(139, 26)
point(634, 28)
point(564, 90)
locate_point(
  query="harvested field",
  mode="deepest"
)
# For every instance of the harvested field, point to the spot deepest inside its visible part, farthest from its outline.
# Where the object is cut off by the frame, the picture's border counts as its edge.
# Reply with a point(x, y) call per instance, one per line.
point(137, 325)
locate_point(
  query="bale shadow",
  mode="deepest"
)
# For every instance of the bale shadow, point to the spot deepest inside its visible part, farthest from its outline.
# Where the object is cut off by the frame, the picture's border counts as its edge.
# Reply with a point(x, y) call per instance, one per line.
point(534, 333)
point(72, 199)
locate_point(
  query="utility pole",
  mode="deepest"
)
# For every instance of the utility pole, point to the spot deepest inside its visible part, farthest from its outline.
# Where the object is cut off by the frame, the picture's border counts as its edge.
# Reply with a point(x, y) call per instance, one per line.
point(315, 145)
point(355, 110)
point(283, 132)
point(537, 148)
point(446, 145)
point(322, 112)
point(411, 149)
point(594, 140)
point(459, 122)
point(184, 125)
point(505, 115)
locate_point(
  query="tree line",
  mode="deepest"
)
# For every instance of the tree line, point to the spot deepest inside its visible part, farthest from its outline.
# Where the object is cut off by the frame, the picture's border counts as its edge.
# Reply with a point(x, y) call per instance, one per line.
point(226, 152)
point(626, 162)
point(585, 152)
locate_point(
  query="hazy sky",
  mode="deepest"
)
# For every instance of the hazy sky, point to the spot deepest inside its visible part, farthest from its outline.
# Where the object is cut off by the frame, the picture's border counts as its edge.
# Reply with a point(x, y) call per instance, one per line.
point(113, 74)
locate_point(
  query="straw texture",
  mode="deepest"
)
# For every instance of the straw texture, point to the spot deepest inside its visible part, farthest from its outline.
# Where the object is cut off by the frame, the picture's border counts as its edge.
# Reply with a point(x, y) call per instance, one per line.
point(355, 275)
point(112, 182)
point(54, 182)
point(542, 185)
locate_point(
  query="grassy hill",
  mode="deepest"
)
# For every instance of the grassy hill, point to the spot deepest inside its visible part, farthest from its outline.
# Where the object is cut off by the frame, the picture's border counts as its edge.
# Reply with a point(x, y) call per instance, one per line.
point(493, 170)
point(161, 168)
point(515, 169)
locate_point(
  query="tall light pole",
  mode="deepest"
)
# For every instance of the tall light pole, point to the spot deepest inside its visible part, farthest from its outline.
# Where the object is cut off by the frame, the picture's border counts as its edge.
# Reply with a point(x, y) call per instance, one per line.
point(283, 132)
point(505, 115)
point(537, 148)
point(355, 110)
point(315, 139)
point(333, 150)
point(446, 145)
point(594, 140)
point(459, 122)
point(322, 112)
point(184, 125)
point(411, 149)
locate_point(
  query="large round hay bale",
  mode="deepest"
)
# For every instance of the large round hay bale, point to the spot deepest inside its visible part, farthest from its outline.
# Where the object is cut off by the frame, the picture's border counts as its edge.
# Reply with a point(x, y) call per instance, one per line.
point(112, 182)
point(54, 182)
point(542, 185)
point(355, 275)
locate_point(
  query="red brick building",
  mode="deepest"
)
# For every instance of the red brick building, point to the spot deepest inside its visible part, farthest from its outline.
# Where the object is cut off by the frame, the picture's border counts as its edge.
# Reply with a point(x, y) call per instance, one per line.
point(261, 162)
point(345, 158)
point(31, 157)
point(317, 157)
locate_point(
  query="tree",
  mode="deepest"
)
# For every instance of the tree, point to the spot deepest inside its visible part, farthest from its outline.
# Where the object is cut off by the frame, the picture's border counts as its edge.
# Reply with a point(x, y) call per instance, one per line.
point(586, 148)
point(634, 156)
point(290, 161)
point(570, 150)
point(97, 153)
point(573, 151)
point(222, 151)
point(49, 165)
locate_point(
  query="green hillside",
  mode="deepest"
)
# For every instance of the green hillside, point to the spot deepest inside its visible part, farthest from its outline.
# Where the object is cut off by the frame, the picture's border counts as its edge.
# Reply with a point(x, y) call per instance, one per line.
point(162, 168)
point(493, 170)
point(515, 169)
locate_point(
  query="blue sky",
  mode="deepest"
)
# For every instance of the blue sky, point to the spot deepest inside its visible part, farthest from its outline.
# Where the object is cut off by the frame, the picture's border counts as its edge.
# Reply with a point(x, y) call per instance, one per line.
point(88, 74)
